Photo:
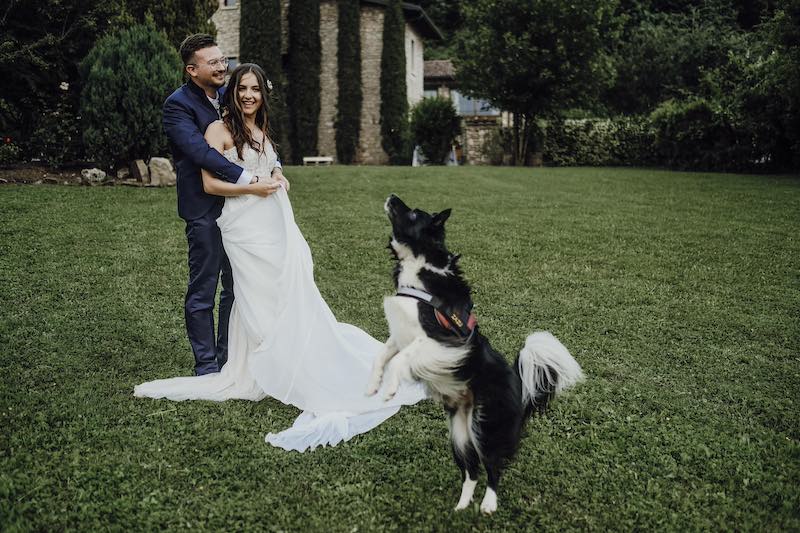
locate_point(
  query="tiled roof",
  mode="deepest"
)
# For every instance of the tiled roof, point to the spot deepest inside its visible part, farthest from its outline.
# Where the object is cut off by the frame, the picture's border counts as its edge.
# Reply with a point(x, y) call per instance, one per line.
point(439, 68)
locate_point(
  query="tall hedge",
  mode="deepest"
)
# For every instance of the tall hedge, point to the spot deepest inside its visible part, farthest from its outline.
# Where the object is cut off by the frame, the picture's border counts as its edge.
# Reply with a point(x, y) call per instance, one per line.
point(348, 114)
point(261, 45)
point(305, 51)
point(127, 76)
point(394, 101)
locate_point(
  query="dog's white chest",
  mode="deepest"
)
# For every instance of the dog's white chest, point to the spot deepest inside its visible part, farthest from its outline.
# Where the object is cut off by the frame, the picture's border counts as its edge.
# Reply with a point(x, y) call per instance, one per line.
point(402, 315)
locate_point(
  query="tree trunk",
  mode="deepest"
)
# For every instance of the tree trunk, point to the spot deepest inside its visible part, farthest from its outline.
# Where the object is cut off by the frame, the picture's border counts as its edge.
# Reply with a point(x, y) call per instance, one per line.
point(515, 144)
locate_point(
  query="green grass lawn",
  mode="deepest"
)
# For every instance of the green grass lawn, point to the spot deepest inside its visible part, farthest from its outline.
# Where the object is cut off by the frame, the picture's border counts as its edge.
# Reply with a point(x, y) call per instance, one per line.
point(678, 293)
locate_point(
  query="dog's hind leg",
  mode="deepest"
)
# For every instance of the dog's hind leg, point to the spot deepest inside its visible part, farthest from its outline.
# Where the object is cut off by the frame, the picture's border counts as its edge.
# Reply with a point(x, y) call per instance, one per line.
point(465, 456)
point(389, 350)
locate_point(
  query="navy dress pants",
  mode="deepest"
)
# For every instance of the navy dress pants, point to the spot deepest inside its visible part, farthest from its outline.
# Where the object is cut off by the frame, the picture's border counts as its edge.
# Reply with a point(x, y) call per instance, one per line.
point(207, 261)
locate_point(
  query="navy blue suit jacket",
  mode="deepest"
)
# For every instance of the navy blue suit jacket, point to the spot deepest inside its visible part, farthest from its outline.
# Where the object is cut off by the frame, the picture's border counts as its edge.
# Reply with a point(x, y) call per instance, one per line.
point(187, 114)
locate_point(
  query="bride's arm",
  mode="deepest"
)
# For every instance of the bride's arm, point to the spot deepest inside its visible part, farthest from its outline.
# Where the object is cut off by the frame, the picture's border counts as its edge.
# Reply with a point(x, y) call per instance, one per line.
point(218, 138)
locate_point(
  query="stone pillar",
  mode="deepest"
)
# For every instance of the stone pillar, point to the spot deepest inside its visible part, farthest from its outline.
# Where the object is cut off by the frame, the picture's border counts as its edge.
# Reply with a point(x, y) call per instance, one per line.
point(226, 19)
point(329, 83)
point(370, 151)
point(478, 131)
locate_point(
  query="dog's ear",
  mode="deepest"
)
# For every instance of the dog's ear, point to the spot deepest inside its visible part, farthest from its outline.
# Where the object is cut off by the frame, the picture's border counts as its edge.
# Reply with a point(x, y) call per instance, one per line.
point(439, 218)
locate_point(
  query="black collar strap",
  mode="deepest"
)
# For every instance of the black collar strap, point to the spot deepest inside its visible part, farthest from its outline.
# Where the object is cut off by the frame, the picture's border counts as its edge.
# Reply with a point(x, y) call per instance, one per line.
point(462, 322)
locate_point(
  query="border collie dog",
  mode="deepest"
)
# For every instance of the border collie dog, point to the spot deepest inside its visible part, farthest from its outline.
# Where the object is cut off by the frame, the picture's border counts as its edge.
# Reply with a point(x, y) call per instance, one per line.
point(433, 338)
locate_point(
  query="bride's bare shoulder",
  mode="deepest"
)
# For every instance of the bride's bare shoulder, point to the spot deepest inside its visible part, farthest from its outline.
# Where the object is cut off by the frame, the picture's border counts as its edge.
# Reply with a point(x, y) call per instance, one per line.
point(218, 135)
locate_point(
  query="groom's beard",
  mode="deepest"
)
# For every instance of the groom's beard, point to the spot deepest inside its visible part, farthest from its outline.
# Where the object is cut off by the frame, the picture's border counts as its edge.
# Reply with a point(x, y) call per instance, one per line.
point(218, 79)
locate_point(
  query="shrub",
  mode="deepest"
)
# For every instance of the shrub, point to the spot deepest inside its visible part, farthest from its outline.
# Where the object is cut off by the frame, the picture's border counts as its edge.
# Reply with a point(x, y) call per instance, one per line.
point(127, 76)
point(599, 142)
point(57, 138)
point(9, 153)
point(394, 101)
point(348, 113)
point(305, 55)
point(692, 134)
point(499, 146)
point(435, 125)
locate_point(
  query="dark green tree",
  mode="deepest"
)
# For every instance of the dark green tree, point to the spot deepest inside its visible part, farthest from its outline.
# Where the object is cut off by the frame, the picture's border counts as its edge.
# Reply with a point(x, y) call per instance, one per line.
point(348, 113)
point(435, 125)
point(448, 16)
point(257, 45)
point(665, 56)
point(41, 42)
point(303, 70)
point(533, 58)
point(394, 100)
point(127, 76)
point(178, 18)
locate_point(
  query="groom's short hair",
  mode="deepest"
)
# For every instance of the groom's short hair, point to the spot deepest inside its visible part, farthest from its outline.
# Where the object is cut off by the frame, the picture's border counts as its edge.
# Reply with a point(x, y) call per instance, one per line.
point(193, 43)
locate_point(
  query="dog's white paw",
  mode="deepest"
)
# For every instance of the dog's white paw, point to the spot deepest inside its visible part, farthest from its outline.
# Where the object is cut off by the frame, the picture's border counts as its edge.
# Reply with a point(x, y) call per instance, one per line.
point(467, 490)
point(389, 395)
point(489, 503)
point(372, 389)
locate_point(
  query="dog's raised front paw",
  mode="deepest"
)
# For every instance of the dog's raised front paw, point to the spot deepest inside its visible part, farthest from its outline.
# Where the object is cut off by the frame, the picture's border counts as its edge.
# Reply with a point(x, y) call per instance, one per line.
point(389, 395)
point(372, 389)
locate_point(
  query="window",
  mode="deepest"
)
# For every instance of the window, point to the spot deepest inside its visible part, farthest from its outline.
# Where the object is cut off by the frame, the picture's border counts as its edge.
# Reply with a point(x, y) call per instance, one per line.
point(228, 3)
point(430, 93)
point(472, 106)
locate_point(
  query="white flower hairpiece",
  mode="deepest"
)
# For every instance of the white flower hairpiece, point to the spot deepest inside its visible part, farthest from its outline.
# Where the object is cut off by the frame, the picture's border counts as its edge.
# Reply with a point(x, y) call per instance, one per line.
point(269, 84)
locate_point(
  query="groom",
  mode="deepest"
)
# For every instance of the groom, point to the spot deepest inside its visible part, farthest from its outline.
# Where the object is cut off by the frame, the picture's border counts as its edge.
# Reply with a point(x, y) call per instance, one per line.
point(187, 113)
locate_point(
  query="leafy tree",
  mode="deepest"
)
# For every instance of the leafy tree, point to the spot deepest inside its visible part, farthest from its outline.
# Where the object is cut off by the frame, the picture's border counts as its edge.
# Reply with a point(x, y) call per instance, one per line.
point(664, 56)
point(394, 100)
point(781, 90)
point(435, 125)
point(303, 70)
point(533, 58)
point(127, 76)
point(178, 18)
point(448, 16)
point(263, 48)
point(348, 113)
point(41, 42)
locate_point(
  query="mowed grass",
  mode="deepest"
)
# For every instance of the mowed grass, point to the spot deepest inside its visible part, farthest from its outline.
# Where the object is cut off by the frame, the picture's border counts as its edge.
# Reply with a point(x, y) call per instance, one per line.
point(678, 293)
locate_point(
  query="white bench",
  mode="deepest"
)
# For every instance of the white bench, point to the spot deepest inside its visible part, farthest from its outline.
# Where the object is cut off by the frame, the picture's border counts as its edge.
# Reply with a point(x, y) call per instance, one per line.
point(317, 160)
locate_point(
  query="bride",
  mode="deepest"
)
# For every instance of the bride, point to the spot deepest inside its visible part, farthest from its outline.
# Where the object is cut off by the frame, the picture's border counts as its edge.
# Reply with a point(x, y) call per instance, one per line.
point(284, 341)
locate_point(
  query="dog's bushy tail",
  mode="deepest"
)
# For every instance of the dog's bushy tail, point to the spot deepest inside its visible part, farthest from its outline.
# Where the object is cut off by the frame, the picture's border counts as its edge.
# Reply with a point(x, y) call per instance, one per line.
point(545, 368)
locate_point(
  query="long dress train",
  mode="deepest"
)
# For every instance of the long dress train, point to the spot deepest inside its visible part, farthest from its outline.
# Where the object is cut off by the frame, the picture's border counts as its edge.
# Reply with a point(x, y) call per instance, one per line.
point(283, 340)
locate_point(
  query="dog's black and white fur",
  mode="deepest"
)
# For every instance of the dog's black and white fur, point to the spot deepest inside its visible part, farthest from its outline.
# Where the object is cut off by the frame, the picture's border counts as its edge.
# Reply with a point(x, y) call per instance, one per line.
point(488, 402)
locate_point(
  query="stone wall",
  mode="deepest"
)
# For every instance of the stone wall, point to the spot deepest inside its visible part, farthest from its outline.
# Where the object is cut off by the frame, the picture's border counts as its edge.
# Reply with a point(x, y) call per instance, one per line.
point(370, 151)
point(226, 19)
point(329, 83)
point(478, 131)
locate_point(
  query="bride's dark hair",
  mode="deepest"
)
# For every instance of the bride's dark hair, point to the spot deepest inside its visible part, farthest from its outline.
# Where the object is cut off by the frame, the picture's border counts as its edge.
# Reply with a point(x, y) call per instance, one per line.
point(232, 109)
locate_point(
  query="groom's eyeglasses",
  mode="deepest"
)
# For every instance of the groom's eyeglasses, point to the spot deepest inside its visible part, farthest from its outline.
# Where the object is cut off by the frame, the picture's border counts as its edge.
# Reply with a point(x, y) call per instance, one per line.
point(214, 63)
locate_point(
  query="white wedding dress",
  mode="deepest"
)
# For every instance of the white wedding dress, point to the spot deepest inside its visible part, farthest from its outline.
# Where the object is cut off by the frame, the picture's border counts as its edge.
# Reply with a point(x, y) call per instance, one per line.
point(283, 340)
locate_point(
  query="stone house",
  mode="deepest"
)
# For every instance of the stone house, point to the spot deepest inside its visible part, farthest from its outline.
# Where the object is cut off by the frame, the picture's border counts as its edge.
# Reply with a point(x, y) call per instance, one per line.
point(418, 28)
point(479, 120)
